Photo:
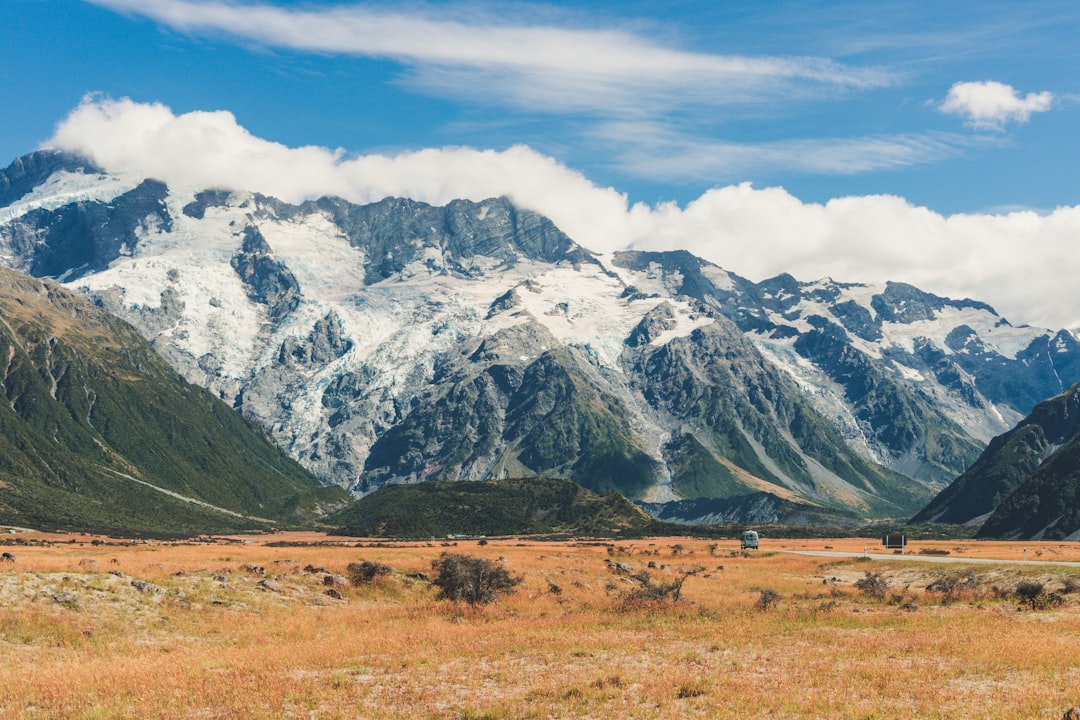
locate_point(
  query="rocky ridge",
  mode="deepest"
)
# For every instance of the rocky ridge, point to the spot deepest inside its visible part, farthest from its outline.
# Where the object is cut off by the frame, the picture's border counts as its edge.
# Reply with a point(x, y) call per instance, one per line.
point(398, 342)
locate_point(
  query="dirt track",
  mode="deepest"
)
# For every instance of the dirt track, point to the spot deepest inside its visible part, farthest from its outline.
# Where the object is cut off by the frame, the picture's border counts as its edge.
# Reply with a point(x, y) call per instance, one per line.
point(932, 558)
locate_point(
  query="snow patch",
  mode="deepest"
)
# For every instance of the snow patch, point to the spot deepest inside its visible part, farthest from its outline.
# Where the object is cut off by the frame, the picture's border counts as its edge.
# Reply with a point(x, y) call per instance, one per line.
point(719, 277)
point(1006, 340)
point(64, 187)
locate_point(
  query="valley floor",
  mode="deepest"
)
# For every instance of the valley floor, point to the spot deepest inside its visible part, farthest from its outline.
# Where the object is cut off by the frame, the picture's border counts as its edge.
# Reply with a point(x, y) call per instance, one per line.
point(243, 628)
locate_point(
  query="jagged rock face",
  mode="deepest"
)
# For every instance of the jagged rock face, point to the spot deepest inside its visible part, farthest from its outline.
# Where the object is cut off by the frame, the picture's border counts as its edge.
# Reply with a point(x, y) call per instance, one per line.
point(398, 342)
point(494, 414)
point(31, 171)
point(84, 237)
point(267, 281)
point(914, 381)
point(456, 239)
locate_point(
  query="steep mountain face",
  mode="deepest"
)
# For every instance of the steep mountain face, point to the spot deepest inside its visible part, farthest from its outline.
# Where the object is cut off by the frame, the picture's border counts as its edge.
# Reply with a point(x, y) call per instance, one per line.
point(1025, 482)
point(1046, 506)
point(97, 432)
point(35, 170)
point(914, 381)
point(398, 342)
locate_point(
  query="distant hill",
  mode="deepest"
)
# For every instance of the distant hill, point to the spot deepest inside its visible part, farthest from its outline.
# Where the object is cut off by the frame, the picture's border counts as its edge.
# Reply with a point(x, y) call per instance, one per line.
point(98, 433)
point(491, 507)
point(1023, 484)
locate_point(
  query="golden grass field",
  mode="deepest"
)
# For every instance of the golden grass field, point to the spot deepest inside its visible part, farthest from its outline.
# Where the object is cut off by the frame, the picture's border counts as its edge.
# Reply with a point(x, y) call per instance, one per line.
point(183, 630)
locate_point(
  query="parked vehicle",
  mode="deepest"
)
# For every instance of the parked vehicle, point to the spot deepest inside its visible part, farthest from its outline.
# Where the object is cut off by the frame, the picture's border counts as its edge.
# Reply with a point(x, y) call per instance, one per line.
point(750, 540)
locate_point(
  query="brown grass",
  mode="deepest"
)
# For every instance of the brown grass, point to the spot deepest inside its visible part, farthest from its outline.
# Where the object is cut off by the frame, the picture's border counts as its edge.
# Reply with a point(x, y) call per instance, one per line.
point(203, 638)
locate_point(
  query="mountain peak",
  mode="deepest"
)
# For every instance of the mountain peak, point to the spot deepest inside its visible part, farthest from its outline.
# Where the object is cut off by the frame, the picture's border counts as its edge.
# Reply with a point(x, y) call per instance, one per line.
point(399, 341)
point(27, 172)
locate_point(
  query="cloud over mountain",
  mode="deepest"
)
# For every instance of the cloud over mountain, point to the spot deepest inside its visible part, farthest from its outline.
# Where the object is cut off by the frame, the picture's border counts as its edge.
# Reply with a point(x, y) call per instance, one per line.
point(1020, 262)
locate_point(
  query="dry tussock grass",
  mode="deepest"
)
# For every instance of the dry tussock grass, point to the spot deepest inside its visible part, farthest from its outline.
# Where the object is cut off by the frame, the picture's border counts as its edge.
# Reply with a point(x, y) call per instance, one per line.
point(207, 635)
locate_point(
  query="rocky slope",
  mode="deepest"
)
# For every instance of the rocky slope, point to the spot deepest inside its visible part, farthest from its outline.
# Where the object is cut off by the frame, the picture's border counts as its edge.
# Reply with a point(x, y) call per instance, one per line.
point(98, 433)
point(917, 382)
point(399, 342)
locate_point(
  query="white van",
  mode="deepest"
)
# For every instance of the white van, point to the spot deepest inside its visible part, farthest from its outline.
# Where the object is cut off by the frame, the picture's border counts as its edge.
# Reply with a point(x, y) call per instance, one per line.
point(750, 540)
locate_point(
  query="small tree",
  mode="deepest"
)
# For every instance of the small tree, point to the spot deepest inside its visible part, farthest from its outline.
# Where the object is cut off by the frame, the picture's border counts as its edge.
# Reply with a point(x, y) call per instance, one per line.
point(1033, 594)
point(469, 579)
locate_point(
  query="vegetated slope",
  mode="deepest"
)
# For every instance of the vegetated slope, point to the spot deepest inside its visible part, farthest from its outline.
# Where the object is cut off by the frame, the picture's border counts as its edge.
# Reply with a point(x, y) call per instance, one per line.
point(1046, 505)
point(92, 418)
point(756, 508)
point(1007, 464)
point(398, 342)
point(1027, 484)
point(508, 506)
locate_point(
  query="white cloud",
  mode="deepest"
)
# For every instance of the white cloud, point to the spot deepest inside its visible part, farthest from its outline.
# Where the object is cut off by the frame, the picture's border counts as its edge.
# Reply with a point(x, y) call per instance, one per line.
point(1022, 262)
point(541, 68)
point(990, 105)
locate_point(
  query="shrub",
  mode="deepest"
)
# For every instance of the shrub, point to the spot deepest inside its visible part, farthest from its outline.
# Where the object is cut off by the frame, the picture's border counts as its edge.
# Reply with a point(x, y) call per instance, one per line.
point(469, 579)
point(952, 586)
point(767, 599)
point(365, 572)
point(647, 591)
point(690, 690)
point(1033, 594)
point(1030, 592)
point(874, 584)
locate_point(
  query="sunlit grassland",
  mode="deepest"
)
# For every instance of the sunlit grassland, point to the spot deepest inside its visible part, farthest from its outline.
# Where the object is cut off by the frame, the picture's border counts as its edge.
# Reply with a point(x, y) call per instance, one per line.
point(205, 639)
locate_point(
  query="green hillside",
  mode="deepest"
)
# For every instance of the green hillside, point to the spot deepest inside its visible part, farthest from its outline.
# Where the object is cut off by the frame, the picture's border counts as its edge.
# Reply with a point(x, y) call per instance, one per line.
point(94, 425)
point(1026, 479)
point(491, 507)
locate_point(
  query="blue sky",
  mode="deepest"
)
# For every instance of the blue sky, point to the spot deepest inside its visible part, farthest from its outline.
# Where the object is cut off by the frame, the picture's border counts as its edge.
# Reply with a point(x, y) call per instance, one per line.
point(954, 107)
point(894, 64)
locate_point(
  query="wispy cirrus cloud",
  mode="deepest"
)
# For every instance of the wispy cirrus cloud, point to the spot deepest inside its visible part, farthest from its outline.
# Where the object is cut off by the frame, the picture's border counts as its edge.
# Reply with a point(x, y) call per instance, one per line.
point(658, 152)
point(537, 67)
point(991, 105)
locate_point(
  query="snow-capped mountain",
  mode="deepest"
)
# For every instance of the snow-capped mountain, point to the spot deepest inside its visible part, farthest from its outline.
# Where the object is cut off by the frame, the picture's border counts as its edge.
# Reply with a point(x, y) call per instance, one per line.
point(918, 382)
point(397, 342)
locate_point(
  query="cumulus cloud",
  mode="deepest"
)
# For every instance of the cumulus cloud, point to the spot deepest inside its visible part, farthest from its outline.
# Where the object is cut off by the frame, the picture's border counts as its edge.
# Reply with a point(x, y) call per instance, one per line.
point(541, 68)
point(990, 105)
point(1021, 262)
